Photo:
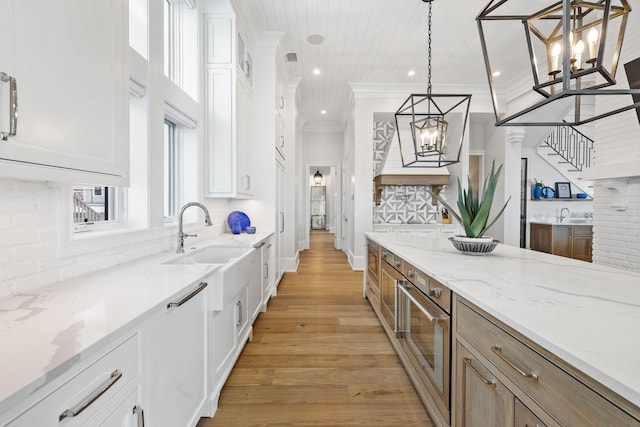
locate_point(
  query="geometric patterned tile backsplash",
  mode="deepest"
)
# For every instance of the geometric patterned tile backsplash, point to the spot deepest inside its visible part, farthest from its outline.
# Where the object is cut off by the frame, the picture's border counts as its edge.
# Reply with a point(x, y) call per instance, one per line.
point(404, 204)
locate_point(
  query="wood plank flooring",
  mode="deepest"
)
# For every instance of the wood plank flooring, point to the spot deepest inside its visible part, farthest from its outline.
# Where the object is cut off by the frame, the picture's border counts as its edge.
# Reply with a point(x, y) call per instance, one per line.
point(319, 356)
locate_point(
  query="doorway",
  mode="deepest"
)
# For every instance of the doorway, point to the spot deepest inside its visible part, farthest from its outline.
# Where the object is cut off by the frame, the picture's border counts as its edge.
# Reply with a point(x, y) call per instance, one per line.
point(322, 183)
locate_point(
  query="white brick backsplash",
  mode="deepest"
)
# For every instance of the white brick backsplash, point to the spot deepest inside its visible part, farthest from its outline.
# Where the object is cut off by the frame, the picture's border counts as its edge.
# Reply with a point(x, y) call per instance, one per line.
point(30, 239)
point(616, 239)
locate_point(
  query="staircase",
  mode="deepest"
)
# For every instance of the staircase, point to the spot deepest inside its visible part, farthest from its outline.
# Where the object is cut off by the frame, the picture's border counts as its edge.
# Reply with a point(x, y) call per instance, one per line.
point(569, 151)
point(83, 212)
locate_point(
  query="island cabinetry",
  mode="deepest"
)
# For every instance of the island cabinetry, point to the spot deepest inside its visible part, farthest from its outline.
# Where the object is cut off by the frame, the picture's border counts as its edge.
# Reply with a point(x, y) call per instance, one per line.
point(63, 93)
point(177, 336)
point(372, 290)
point(481, 399)
point(84, 397)
point(553, 391)
point(571, 241)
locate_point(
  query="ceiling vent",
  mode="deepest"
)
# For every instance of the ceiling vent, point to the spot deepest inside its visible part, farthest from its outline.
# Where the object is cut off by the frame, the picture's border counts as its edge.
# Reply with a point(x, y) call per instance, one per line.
point(291, 56)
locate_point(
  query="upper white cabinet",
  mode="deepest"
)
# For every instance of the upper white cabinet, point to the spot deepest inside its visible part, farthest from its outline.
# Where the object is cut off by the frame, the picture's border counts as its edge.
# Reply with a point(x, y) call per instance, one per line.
point(67, 59)
point(227, 110)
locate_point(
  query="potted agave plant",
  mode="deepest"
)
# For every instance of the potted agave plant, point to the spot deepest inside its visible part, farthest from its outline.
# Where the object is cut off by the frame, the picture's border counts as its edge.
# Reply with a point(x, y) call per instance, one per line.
point(473, 215)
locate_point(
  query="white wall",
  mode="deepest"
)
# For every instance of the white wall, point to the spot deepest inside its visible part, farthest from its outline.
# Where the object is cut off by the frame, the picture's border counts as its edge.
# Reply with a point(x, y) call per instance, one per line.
point(31, 238)
point(616, 239)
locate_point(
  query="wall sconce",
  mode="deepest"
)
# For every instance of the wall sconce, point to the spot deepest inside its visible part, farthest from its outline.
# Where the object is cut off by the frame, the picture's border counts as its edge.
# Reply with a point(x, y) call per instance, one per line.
point(317, 178)
point(570, 49)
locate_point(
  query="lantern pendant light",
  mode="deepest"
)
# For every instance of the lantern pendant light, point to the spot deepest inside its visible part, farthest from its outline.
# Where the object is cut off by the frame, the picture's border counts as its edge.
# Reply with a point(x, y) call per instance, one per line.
point(572, 49)
point(317, 178)
point(422, 124)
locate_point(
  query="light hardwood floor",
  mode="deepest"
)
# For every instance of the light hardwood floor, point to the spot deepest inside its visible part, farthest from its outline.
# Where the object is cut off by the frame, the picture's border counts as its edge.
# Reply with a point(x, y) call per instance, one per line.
point(318, 356)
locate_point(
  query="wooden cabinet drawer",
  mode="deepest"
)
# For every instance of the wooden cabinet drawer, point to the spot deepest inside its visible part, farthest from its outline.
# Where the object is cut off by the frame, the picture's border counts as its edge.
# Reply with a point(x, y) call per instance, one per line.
point(393, 260)
point(525, 418)
point(567, 399)
point(109, 374)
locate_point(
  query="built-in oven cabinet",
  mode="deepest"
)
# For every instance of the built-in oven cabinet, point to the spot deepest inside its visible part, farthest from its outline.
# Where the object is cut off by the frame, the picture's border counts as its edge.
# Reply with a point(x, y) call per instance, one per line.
point(517, 381)
point(425, 335)
point(418, 328)
point(372, 288)
point(389, 277)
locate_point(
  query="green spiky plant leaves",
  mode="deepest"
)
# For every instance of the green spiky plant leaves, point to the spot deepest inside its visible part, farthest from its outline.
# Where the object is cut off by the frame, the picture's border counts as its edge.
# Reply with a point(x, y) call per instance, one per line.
point(474, 211)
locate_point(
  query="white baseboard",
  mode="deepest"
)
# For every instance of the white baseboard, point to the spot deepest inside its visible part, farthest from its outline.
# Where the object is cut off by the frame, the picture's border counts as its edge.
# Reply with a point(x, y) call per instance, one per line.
point(356, 262)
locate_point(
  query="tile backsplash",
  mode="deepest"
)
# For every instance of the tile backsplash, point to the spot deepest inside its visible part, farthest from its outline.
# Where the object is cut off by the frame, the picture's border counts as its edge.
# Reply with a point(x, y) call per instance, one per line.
point(405, 204)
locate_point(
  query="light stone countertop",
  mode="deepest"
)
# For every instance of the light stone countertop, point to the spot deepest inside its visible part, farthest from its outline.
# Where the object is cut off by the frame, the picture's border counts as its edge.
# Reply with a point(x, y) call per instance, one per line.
point(587, 314)
point(45, 332)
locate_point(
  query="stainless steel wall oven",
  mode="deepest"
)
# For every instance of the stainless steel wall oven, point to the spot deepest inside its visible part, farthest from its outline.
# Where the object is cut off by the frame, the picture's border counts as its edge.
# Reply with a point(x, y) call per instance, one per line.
point(419, 309)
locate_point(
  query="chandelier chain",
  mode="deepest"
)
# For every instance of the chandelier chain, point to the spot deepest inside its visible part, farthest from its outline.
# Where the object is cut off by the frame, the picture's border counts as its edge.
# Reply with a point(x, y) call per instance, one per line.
point(429, 52)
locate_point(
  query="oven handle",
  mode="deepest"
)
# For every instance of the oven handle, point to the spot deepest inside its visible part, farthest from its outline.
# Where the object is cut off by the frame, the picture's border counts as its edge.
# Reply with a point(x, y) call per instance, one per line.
point(432, 318)
point(396, 306)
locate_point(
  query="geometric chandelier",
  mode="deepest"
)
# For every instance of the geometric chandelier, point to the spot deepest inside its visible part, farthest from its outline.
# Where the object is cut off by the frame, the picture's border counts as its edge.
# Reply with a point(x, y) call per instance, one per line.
point(431, 127)
point(567, 60)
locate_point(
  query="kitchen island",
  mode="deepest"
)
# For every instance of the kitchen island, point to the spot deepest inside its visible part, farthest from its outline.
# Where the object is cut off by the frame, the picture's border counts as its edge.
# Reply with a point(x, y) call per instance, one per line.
point(580, 316)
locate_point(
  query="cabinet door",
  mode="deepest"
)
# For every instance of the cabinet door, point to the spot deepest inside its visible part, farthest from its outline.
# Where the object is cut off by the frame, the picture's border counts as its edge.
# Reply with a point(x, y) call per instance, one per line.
point(481, 400)
point(280, 221)
point(177, 352)
point(68, 62)
point(562, 240)
point(244, 153)
point(541, 236)
point(129, 413)
point(581, 245)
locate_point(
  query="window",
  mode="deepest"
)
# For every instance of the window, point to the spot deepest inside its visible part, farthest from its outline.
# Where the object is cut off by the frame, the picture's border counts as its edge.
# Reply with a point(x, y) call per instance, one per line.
point(93, 205)
point(171, 172)
point(181, 44)
point(180, 164)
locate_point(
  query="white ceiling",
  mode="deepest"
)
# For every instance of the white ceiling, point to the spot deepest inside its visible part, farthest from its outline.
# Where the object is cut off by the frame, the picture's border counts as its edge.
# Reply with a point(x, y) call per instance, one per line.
point(369, 41)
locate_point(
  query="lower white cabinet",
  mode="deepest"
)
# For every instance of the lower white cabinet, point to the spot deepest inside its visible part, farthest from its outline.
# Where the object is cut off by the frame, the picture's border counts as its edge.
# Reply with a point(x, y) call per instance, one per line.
point(86, 393)
point(177, 359)
point(268, 280)
point(127, 413)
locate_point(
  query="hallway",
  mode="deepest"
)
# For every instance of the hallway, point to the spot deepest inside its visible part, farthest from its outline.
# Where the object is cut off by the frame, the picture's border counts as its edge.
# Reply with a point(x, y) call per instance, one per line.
point(318, 356)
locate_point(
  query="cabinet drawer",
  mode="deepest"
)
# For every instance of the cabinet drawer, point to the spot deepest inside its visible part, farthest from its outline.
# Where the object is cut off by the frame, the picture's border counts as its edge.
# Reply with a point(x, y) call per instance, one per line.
point(525, 418)
point(393, 260)
point(568, 400)
point(92, 388)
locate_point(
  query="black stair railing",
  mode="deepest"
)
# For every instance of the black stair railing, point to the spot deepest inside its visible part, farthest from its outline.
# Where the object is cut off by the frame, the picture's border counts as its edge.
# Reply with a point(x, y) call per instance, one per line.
point(572, 145)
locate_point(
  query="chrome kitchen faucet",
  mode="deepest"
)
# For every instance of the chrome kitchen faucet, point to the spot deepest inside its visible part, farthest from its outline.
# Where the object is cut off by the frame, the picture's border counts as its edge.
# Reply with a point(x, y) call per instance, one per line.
point(181, 234)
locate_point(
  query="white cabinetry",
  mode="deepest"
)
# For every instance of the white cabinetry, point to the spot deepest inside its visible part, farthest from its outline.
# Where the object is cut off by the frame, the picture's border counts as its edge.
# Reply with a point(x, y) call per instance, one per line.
point(67, 59)
point(85, 391)
point(280, 221)
point(177, 359)
point(228, 139)
point(232, 309)
point(268, 272)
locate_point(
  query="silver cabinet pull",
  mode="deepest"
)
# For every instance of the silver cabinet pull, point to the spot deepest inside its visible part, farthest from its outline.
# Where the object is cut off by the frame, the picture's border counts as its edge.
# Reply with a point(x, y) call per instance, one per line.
point(266, 270)
point(258, 245)
point(102, 389)
point(13, 106)
point(239, 305)
point(467, 361)
point(498, 351)
point(282, 222)
point(200, 288)
point(411, 272)
point(396, 306)
point(140, 412)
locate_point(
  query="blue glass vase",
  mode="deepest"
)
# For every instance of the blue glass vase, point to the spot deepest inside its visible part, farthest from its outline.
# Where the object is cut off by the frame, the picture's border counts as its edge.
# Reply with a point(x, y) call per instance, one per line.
point(537, 192)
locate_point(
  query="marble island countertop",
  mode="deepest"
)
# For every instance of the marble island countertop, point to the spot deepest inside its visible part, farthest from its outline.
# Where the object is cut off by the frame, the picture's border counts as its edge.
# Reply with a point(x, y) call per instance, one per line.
point(46, 331)
point(587, 314)
point(553, 221)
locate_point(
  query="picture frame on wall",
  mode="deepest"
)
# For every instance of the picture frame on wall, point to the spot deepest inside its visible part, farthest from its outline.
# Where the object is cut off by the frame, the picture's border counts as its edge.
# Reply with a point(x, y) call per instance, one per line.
point(563, 190)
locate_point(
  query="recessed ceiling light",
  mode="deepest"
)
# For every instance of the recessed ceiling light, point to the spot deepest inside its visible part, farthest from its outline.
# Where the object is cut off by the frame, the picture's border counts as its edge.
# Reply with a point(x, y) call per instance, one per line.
point(315, 39)
point(323, 112)
point(496, 73)
point(411, 73)
point(316, 71)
